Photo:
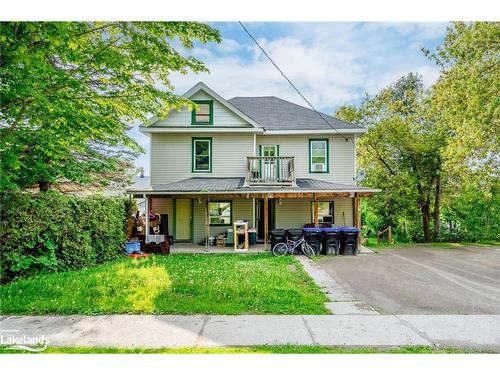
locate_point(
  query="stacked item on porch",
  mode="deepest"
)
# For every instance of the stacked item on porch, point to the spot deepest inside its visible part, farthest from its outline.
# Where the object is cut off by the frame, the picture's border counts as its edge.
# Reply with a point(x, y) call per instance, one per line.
point(159, 241)
point(220, 240)
point(133, 249)
point(240, 228)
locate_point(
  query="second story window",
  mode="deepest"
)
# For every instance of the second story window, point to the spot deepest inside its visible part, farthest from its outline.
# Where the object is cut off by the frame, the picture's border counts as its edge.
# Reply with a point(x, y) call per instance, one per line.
point(318, 155)
point(202, 155)
point(204, 114)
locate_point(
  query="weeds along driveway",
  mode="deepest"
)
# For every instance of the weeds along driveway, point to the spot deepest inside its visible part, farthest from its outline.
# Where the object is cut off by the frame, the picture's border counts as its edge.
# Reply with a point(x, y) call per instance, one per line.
point(176, 284)
point(422, 280)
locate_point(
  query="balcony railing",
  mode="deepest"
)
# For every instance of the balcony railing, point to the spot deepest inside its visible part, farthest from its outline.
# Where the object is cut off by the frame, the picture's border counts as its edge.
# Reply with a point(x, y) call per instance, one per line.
point(270, 170)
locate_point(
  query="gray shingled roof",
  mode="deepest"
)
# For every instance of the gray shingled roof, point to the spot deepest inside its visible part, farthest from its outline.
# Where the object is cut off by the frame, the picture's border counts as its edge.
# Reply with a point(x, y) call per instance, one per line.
point(277, 114)
point(236, 184)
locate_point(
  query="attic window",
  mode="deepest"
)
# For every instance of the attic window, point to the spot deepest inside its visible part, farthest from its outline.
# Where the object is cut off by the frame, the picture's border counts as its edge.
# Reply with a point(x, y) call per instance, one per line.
point(204, 114)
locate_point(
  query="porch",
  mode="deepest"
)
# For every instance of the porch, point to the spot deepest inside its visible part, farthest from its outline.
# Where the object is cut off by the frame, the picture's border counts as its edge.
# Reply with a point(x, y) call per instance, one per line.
point(198, 209)
point(191, 248)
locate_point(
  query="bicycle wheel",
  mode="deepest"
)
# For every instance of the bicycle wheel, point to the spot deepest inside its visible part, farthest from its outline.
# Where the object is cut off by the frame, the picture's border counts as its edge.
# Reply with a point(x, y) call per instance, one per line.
point(280, 249)
point(307, 250)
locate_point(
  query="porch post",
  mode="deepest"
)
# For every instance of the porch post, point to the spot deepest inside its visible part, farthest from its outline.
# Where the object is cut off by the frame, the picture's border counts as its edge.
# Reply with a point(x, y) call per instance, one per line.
point(253, 213)
point(146, 218)
point(266, 220)
point(357, 216)
point(316, 211)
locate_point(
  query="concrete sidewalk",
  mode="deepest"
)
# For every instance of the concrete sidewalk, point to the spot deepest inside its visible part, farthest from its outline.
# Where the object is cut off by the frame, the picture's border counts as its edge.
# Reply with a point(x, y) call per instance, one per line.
point(157, 331)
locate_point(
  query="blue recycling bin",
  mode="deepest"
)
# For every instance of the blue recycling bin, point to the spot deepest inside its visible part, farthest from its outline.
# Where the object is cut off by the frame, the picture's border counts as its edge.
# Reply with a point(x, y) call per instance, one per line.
point(132, 247)
point(331, 241)
point(313, 237)
point(349, 245)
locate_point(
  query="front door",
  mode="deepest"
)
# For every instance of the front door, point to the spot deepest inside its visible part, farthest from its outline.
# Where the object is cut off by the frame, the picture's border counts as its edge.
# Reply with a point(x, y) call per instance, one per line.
point(269, 170)
point(183, 219)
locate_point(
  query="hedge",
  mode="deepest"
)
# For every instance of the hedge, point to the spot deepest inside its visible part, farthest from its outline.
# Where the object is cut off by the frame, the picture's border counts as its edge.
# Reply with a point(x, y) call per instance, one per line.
point(53, 232)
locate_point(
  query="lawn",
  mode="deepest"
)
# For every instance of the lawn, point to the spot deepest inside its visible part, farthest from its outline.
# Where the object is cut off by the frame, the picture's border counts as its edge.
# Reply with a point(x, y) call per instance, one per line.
point(262, 349)
point(175, 284)
point(371, 243)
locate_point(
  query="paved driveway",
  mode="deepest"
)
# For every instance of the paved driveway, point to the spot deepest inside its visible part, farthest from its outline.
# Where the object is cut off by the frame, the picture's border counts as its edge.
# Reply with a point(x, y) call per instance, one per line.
point(422, 280)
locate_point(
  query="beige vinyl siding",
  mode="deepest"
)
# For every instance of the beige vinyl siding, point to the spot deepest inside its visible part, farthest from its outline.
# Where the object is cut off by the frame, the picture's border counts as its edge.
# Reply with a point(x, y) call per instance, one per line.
point(164, 206)
point(341, 155)
point(171, 156)
point(222, 115)
point(292, 213)
point(242, 209)
point(343, 212)
point(295, 213)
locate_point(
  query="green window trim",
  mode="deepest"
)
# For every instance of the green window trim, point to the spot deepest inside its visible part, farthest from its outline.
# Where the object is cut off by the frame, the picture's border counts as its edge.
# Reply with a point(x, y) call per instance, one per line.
point(210, 113)
point(230, 214)
point(194, 140)
point(327, 159)
point(331, 212)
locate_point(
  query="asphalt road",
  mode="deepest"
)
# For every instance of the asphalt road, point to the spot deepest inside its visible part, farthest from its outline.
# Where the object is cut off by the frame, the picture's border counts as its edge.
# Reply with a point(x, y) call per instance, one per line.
point(422, 280)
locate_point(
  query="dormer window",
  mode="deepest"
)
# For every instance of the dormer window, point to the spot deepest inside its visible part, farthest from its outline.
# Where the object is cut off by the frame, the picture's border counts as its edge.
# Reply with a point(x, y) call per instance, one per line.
point(204, 114)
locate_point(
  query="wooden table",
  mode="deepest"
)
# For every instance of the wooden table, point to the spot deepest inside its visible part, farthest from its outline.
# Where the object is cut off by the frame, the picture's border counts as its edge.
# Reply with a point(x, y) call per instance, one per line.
point(240, 227)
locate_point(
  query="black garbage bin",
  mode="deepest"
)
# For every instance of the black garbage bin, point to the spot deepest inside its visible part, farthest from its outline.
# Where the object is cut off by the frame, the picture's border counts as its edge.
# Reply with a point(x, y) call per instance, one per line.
point(277, 236)
point(293, 234)
point(313, 237)
point(349, 244)
point(331, 241)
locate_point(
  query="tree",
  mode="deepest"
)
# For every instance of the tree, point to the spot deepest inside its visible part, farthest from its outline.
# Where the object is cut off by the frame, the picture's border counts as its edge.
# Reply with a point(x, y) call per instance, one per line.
point(69, 91)
point(437, 150)
point(401, 153)
point(464, 104)
point(465, 101)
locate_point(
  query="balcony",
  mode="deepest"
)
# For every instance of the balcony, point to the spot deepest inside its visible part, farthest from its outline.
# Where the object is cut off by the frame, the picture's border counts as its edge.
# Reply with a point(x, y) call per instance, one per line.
point(270, 170)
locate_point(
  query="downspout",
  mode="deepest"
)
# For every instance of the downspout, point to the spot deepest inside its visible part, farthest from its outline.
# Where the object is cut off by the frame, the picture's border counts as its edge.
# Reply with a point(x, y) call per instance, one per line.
point(355, 161)
point(207, 223)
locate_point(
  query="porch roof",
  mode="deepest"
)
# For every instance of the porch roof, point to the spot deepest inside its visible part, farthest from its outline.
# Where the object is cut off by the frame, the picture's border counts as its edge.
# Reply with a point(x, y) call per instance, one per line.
point(236, 185)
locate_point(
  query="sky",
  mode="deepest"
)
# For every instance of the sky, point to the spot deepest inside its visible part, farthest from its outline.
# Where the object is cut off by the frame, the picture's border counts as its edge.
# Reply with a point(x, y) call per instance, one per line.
point(332, 64)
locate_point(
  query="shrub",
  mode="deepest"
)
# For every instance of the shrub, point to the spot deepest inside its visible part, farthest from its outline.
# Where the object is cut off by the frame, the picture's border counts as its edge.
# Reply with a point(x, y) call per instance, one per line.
point(53, 232)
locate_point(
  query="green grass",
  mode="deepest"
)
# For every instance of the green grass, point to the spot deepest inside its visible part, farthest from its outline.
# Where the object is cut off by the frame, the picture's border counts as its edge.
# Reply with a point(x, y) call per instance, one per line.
point(263, 349)
point(176, 284)
point(372, 244)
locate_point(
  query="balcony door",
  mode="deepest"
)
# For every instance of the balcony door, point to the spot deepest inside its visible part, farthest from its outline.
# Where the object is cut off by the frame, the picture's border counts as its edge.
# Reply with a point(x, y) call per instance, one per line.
point(270, 165)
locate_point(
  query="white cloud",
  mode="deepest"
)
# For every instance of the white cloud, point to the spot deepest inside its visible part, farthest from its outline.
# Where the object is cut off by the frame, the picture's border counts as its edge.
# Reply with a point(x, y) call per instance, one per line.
point(228, 46)
point(430, 74)
point(331, 63)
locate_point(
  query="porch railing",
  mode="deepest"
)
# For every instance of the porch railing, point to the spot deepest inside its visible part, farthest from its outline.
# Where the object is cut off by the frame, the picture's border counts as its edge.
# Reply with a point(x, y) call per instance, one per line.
point(270, 170)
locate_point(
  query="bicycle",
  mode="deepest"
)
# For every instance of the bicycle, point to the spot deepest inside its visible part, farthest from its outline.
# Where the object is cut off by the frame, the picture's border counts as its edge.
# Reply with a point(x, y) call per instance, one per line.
point(289, 246)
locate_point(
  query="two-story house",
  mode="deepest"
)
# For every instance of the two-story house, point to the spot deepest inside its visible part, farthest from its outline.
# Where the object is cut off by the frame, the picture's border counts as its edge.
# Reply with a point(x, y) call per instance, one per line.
point(262, 159)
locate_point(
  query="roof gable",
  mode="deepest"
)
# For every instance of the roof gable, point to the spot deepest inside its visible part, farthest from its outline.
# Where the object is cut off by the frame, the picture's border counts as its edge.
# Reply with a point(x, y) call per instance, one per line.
point(201, 87)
